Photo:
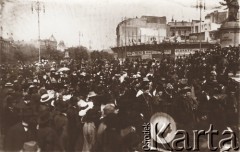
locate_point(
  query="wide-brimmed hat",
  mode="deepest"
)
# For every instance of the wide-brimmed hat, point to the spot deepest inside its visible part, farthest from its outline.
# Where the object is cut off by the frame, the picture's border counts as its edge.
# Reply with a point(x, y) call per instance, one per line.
point(32, 86)
point(30, 146)
point(45, 98)
point(52, 69)
point(145, 79)
point(92, 94)
point(85, 106)
point(67, 97)
point(9, 84)
point(35, 81)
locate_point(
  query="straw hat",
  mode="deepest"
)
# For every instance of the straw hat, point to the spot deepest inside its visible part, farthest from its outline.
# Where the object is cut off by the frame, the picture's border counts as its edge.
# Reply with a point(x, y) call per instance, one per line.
point(45, 98)
point(92, 94)
point(9, 84)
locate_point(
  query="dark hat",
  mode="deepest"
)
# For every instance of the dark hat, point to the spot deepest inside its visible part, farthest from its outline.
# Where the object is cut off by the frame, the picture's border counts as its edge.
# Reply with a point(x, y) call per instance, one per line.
point(62, 106)
point(73, 99)
point(91, 115)
point(26, 97)
point(42, 91)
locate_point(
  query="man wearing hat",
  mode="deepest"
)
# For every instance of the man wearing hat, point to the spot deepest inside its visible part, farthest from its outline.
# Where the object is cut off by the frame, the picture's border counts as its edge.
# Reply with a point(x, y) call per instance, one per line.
point(144, 99)
point(22, 132)
point(188, 106)
point(60, 122)
point(74, 130)
point(47, 137)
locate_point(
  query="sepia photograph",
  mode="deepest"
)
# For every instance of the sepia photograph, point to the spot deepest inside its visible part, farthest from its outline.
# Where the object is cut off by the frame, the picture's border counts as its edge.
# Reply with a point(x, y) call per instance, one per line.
point(119, 75)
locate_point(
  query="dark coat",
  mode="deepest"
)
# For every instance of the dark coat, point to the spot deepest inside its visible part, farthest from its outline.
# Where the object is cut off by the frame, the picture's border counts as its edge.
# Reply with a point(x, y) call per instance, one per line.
point(47, 139)
point(60, 124)
point(73, 127)
point(17, 136)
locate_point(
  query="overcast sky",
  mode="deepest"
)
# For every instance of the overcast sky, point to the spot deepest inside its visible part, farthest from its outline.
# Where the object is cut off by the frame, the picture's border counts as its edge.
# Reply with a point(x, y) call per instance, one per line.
point(96, 20)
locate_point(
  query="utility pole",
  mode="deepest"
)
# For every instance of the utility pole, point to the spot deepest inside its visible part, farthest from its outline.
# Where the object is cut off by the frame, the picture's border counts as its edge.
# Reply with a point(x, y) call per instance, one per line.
point(125, 20)
point(201, 6)
point(1, 42)
point(38, 6)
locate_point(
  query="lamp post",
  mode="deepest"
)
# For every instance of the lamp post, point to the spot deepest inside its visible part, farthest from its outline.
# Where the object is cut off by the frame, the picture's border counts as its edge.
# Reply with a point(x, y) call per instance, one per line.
point(38, 6)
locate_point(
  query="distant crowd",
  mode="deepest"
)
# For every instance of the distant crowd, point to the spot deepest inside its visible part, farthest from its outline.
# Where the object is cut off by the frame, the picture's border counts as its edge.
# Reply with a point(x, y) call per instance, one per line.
point(101, 105)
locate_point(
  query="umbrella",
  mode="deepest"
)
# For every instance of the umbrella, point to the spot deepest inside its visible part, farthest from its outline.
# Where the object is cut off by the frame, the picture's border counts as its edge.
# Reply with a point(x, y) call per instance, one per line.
point(63, 69)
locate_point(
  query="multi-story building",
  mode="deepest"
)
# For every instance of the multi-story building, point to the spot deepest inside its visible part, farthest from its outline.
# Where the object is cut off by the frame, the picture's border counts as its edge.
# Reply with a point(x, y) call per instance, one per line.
point(7, 47)
point(4, 44)
point(181, 29)
point(45, 44)
point(50, 43)
point(144, 30)
point(207, 30)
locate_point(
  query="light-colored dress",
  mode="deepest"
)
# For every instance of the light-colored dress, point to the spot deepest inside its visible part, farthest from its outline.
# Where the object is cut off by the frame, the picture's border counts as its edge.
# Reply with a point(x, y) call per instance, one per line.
point(89, 136)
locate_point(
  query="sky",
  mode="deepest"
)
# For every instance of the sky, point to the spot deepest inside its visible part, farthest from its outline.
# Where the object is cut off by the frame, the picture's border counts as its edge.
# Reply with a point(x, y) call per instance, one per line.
point(94, 22)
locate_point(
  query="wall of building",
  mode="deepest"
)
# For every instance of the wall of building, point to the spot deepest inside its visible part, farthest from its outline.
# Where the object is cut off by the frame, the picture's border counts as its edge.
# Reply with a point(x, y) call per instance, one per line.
point(144, 30)
point(7, 48)
point(180, 29)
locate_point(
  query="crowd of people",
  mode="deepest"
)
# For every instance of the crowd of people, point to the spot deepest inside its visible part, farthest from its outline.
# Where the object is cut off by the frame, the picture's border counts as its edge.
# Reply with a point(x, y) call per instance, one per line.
point(101, 105)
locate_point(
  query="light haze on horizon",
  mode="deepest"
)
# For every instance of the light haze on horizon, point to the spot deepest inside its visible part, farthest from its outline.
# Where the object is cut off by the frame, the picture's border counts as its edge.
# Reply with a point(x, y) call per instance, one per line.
point(96, 20)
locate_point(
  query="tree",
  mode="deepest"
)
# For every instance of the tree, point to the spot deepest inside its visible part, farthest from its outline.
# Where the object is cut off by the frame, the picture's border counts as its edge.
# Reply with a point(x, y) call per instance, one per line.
point(101, 55)
point(78, 53)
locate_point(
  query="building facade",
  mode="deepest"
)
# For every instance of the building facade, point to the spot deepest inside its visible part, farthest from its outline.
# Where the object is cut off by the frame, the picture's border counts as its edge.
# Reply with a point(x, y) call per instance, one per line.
point(207, 30)
point(7, 48)
point(144, 30)
point(50, 43)
point(180, 29)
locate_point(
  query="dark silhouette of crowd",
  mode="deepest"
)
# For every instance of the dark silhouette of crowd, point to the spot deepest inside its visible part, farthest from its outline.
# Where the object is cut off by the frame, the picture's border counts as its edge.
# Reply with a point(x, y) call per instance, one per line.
point(101, 105)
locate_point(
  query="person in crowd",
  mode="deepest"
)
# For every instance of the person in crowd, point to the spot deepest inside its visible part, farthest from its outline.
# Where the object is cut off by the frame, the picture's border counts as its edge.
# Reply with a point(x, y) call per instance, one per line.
point(22, 132)
point(46, 135)
point(100, 105)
